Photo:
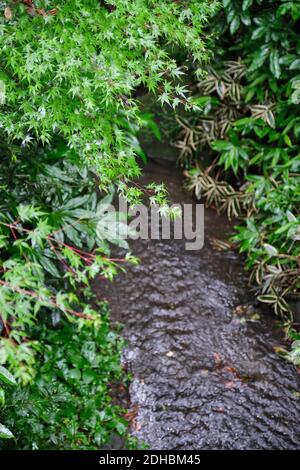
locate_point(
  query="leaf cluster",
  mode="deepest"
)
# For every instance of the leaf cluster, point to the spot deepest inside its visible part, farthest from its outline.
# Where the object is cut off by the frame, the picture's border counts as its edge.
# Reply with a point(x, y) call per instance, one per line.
point(248, 121)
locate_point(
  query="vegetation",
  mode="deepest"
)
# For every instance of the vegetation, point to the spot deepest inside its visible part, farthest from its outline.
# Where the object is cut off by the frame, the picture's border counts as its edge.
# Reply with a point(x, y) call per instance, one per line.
point(69, 71)
point(68, 405)
point(73, 71)
point(249, 123)
point(5, 378)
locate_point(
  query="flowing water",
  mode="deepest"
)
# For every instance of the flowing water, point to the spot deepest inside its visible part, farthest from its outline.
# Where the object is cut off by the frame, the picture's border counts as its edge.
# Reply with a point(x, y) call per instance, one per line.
point(205, 374)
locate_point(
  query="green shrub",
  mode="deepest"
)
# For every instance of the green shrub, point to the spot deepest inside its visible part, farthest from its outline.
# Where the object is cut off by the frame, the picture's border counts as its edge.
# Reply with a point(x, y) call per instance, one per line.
point(68, 405)
point(73, 72)
point(52, 245)
point(248, 121)
point(69, 117)
point(52, 242)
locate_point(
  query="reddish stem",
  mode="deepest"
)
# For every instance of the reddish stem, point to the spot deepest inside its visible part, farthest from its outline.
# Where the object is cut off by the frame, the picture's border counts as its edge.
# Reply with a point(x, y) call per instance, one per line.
point(6, 327)
point(50, 301)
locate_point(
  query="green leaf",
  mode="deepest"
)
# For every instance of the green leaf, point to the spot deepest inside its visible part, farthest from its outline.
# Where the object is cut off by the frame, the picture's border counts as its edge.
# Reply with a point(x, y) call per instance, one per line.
point(73, 235)
point(259, 58)
point(49, 266)
point(235, 24)
point(104, 204)
point(243, 122)
point(5, 433)
point(221, 145)
point(76, 202)
point(295, 64)
point(28, 212)
point(2, 396)
point(148, 121)
point(287, 140)
point(274, 63)
point(6, 376)
point(246, 4)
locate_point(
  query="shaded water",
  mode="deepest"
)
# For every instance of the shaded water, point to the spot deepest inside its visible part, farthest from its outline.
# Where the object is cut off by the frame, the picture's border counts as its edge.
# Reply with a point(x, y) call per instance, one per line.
point(204, 375)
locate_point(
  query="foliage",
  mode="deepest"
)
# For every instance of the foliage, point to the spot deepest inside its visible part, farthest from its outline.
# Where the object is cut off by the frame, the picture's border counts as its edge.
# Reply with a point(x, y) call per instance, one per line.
point(69, 72)
point(220, 194)
point(68, 405)
point(52, 241)
point(73, 71)
point(294, 355)
point(248, 120)
point(5, 378)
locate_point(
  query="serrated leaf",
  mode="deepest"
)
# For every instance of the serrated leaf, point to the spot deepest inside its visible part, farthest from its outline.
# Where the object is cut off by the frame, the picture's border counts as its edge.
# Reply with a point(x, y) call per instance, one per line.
point(27, 212)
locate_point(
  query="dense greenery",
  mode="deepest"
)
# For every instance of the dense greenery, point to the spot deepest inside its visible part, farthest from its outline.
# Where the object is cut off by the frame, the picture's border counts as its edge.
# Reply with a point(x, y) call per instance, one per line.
point(53, 242)
point(68, 404)
point(73, 71)
point(69, 71)
point(249, 122)
point(6, 378)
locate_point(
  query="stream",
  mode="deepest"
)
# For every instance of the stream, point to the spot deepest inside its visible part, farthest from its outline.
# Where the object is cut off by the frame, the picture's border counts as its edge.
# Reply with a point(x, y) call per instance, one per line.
point(201, 352)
